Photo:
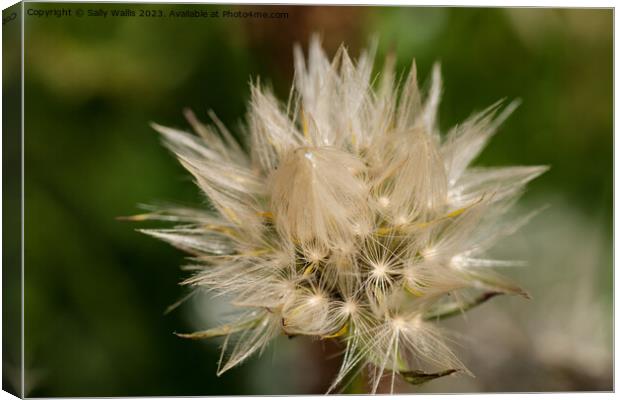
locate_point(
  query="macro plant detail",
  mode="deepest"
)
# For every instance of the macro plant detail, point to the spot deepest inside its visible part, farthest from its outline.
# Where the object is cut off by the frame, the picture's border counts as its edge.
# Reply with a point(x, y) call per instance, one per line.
point(346, 216)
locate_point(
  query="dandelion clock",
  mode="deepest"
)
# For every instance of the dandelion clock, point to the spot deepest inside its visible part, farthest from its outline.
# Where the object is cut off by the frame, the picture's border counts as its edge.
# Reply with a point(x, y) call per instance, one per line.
point(345, 215)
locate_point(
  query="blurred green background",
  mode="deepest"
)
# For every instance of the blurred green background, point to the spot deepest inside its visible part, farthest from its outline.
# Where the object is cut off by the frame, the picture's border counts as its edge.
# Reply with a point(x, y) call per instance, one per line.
point(96, 289)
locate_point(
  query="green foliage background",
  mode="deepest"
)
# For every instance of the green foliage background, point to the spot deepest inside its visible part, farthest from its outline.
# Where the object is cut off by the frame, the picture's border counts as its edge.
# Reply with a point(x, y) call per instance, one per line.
point(96, 289)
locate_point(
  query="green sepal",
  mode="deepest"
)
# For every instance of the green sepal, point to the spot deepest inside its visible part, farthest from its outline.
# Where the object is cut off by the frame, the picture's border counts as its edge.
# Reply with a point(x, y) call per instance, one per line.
point(418, 377)
point(455, 308)
point(222, 330)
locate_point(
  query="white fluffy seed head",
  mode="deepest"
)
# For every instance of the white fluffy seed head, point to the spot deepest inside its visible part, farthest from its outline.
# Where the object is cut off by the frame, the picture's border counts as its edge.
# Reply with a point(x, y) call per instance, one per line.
point(351, 218)
point(315, 196)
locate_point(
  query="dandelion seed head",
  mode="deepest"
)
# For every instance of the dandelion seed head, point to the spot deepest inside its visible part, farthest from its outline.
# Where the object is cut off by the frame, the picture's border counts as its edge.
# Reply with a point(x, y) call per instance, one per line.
point(317, 299)
point(351, 217)
point(399, 322)
point(379, 268)
point(350, 307)
point(384, 201)
point(458, 262)
point(400, 220)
